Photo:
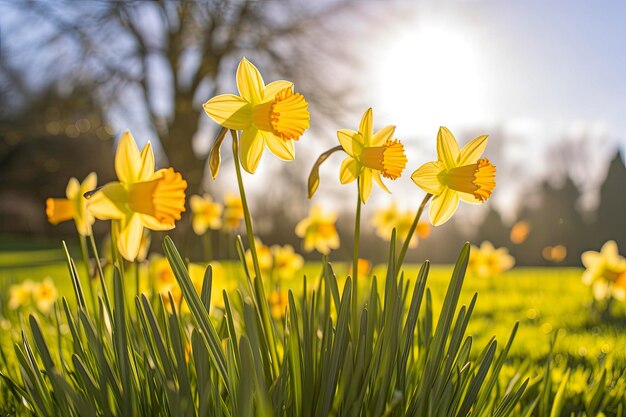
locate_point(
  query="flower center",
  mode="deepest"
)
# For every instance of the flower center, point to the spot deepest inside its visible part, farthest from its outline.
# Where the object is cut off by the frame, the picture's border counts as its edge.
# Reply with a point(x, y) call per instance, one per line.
point(286, 116)
point(478, 179)
point(162, 198)
point(326, 230)
point(389, 159)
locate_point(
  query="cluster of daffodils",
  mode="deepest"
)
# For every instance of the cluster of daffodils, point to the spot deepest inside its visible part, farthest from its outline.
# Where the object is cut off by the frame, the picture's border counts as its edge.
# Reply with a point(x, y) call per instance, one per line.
point(277, 261)
point(42, 294)
point(141, 198)
point(207, 214)
point(486, 261)
point(605, 272)
point(388, 218)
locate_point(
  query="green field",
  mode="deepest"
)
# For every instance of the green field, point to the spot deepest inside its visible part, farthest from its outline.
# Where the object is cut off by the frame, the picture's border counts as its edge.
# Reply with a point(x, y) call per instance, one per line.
point(541, 299)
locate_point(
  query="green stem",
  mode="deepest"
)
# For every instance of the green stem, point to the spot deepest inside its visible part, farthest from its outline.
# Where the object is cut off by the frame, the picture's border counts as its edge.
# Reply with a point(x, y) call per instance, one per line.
point(85, 253)
point(244, 202)
point(262, 303)
point(355, 257)
point(137, 276)
point(407, 240)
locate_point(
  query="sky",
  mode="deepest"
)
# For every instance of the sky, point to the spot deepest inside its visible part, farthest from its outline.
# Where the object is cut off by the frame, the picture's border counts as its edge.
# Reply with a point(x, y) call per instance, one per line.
point(540, 77)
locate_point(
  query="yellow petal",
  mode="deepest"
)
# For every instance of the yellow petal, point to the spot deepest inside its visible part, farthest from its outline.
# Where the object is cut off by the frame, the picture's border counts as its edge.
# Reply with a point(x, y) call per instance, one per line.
point(146, 169)
point(383, 135)
point(249, 82)
point(251, 149)
point(443, 206)
point(366, 127)
point(426, 177)
point(469, 198)
point(447, 148)
point(284, 149)
point(365, 184)
point(89, 183)
point(154, 224)
point(229, 111)
point(127, 158)
point(351, 141)
point(473, 150)
point(274, 87)
point(110, 202)
point(72, 189)
point(129, 238)
point(349, 170)
point(379, 181)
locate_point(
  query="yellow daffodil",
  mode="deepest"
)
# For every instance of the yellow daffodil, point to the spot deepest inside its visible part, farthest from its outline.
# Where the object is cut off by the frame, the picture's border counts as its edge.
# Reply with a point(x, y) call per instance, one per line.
point(370, 155)
point(278, 301)
point(20, 295)
point(74, 206)
point(271, 115)
point(233, 212)
point(519, 232)
point(385, 219)
point(206, 214)
point(45, 294)
point(264, 254)
point(141, 198)
point(457, 174)
point(487, 261)
point(605, 271)
point(319, 231)
point(286, 262)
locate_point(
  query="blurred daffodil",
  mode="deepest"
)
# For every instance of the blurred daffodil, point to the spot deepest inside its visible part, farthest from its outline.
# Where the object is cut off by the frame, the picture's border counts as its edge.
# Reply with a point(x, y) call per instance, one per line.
point(233, 212)
point(206, 214)
point(141, 198)
point(555, 253)
point(278, 301)
point(370, 155)
point(457, 174)
point(45, 294)
point(605, 271)
point(74, 206)
point(264, 255)
point(403, 225)
point(20, 295)
point(319, 231)
point(286, 262)
point(363, 268)
point(486, 261)
point(385, 219)
point(269, 115)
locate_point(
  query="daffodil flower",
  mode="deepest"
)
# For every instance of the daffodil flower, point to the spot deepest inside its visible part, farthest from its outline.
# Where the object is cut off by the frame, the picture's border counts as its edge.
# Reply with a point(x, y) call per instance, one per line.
point(286, 262)
point(45, 294)
point(141, 198)
point(233, 212)
point(458, 174)
point(370, 155)
point(319, 231)
point(74, 206)
point(486, 261)
point(604, 269)
point(205, 214)
point(269, 115)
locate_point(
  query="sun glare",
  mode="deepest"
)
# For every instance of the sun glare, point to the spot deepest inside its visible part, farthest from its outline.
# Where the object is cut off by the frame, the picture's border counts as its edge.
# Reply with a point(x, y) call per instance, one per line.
point(431, 77)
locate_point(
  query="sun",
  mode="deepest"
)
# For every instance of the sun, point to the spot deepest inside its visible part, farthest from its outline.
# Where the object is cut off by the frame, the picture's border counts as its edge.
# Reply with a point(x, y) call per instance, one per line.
point(432, 76)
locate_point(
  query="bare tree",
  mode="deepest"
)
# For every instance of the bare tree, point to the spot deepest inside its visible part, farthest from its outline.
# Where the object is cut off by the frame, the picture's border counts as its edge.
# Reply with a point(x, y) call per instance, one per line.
point(161, 60)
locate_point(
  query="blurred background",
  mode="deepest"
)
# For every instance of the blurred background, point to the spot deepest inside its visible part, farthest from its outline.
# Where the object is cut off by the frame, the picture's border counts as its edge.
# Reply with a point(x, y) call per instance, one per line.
point(546, 81)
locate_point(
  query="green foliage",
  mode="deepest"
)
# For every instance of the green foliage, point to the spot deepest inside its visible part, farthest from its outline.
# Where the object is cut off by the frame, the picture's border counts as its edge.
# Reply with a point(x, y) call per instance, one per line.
point(142, 356)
